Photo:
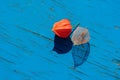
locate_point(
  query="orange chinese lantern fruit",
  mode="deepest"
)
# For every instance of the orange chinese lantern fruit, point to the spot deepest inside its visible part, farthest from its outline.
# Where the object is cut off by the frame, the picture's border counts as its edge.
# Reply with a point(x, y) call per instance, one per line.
point(62, 28)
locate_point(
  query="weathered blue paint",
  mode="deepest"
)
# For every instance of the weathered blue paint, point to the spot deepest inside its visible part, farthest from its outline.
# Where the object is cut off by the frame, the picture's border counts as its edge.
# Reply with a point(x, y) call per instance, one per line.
point(26, 39)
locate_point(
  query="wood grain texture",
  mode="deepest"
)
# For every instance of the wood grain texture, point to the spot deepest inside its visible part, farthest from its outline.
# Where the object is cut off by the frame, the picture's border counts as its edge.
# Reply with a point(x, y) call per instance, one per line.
point(26, 39)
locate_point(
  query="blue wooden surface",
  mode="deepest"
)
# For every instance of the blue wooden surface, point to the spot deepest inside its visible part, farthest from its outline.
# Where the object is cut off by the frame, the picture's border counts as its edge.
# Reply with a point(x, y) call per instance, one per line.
point(26, 39)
